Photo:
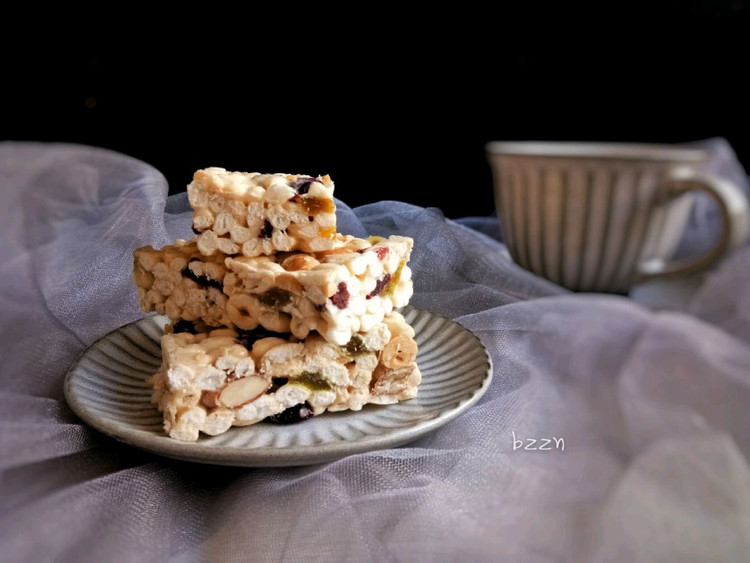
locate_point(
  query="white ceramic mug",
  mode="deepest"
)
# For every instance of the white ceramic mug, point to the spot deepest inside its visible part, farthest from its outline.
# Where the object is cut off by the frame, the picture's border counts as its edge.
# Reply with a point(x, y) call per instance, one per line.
point(602, 217)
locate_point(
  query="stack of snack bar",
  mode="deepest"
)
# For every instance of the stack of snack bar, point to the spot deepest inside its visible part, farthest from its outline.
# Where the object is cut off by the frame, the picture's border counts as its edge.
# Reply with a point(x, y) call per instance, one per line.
point(273, 314)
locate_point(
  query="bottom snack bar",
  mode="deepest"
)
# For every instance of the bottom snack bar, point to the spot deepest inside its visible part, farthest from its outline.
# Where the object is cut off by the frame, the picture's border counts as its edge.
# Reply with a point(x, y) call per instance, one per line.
point(209, 382)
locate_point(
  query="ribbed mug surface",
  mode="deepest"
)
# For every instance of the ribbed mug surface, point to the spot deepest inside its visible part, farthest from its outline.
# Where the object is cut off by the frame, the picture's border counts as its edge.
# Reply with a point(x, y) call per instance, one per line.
point(588, 217)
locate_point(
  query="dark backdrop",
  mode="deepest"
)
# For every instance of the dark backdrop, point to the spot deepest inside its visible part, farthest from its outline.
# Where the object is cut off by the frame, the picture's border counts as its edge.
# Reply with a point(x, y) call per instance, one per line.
point(405, 118)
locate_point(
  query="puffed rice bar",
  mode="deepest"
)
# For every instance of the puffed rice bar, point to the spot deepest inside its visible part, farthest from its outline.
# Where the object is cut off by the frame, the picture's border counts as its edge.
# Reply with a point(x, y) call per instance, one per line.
point(337, 293)
point(253, 214)
point(181, 283)
point(209, 382)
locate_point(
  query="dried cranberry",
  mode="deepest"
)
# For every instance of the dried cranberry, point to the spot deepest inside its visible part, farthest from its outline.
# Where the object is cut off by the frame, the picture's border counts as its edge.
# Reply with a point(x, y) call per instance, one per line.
point(380, 285)
point(381, 251)
point(341, 297)
point(297, 413)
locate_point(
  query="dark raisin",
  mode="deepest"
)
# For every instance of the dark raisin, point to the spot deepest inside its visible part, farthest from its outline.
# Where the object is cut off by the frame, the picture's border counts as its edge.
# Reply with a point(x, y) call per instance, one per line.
point(297, 413)
point(277, 383)
point(380, 285)
point(302, 185)
point(185, 326)
point(203, 281)
point(196, 231)
point(248, 337)
point(275, 297)
point(341, 297)
point(266, 231)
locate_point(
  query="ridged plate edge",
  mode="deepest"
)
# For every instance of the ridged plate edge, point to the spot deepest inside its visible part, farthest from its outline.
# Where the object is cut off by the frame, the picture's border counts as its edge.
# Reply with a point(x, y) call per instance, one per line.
point(106, 388)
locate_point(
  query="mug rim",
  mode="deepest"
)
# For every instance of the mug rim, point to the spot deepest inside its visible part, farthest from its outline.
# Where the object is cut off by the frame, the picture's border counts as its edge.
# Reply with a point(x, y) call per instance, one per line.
point(598, 149)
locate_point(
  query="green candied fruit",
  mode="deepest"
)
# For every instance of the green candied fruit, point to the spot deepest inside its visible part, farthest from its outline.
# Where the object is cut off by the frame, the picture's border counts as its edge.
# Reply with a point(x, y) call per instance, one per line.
point(355, 346)
point(311, 381)
point(391, 287)
point(275, 297)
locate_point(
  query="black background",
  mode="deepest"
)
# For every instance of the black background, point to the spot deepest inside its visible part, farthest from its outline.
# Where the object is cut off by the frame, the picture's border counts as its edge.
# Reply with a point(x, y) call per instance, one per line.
point(398, 112)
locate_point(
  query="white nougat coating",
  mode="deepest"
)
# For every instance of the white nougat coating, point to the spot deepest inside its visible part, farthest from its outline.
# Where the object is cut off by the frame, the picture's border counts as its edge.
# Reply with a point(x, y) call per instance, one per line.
point(209, 382)
point(254, 214)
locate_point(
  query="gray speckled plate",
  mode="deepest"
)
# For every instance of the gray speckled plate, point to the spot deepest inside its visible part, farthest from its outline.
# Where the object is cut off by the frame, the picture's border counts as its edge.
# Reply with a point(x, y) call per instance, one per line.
point(106, 388)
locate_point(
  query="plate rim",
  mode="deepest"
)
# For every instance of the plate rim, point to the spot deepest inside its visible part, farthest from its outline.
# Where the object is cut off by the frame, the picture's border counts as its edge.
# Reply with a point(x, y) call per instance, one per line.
point(269, 456)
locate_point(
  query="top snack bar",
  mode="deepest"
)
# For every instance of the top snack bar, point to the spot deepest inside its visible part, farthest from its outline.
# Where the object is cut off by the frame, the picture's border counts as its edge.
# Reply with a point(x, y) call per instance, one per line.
point(255, 214)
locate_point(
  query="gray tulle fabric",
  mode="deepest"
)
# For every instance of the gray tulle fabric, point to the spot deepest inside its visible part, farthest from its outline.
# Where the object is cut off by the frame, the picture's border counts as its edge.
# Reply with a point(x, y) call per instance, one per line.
point(652, 403)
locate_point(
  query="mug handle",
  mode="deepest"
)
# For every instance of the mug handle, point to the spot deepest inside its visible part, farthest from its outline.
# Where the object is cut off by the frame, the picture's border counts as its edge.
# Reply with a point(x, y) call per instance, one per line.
point(735, 214)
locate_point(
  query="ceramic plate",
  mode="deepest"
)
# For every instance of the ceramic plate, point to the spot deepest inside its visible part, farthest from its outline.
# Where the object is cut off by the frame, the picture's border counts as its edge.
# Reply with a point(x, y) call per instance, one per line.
point(106, 388)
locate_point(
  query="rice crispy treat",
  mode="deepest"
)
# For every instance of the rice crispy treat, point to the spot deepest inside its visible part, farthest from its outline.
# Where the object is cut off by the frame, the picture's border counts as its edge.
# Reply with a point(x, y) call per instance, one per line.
point(209, 382)
point(253, 214)
point(181, 283)
point(337, 293)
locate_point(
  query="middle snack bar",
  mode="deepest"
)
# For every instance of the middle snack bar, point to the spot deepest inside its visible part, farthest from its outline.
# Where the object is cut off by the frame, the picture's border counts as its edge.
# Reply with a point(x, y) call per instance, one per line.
point(337, 293)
